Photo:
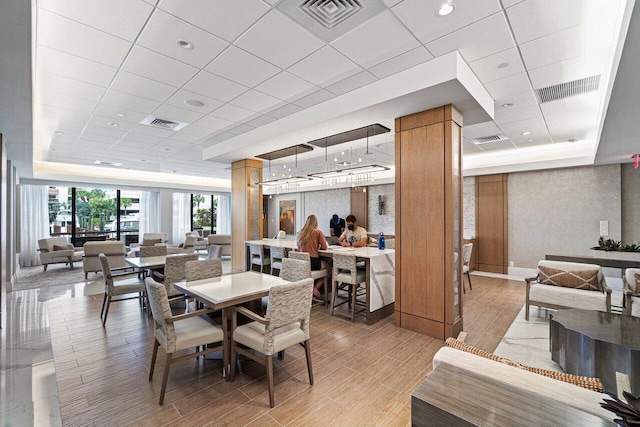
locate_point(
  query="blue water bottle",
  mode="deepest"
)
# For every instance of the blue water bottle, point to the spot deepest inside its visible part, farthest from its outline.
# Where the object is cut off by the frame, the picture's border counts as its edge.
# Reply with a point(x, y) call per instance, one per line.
point(381, 240)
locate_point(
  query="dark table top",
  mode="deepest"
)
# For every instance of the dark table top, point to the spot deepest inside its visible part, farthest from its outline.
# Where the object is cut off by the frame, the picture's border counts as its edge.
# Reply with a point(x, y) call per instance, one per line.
point(606, 259)
point(605, 327)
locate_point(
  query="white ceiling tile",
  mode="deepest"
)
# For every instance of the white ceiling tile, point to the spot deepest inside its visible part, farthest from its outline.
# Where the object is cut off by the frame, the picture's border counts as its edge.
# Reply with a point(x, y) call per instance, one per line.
point(178, 99)
point(260, 121)
point(141, 137)
point(225, 19)
point(122, 18)
point(377, 40)
point(538, 134)
point(577, 130)
point(488, 68)
point(391, 3)
point(183, 137)
point(480, 130)
point(483, 38)
point(103, 122)
point(315, 98)
point(232, 113)
point(401, 62)
point(215, 87)
point(514, 84)
point(279, 40)
point(54, 83)
point(510, 3)
point(575, 41)
point(130, 102)
point(88, 135)
point(531, 20)
point(571, 69)
point(209, 123)
point(163, 30)
point(347, 85)
point(324, 67)
point(107, 134)
point(77, 39)
point(534, 143)
point(153, 65)
point(521, 99)
point(242, 67)
point(112, 112)
point(284, 111)
point(74, 67)
point(177, 114)
point(151, 131)
point(285, 86)
point(64, 101)
point(498, 146)
point(586, 104)
point(514, 114)
point(423, 20)
point(522, 126)
point(240, 129)
point(140, 86)
point(469, 148)
point(255, 101)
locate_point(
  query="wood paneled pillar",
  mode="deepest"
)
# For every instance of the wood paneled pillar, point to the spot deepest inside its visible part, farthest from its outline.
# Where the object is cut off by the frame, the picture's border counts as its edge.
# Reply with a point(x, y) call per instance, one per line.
point(429, 222)
point(492, 223)
point(246, 208)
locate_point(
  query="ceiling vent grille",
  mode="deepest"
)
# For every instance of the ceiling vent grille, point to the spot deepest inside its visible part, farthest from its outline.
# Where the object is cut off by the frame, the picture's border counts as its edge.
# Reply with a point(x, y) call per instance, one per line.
point(330, 13)
point(568, 89)
point(488, 139)
point(162, 123)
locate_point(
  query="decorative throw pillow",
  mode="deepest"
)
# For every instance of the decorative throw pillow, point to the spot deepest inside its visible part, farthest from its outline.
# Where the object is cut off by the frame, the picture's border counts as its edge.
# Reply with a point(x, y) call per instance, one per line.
point(578, 279)
point(637, 291)
point(150, 242)
point(62, 248)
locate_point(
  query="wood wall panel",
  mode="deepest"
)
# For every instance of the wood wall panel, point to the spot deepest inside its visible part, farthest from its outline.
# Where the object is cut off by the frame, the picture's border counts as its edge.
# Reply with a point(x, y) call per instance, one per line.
point(359, 207)
point(246, 208)
point(398, 199)
point(492, 223)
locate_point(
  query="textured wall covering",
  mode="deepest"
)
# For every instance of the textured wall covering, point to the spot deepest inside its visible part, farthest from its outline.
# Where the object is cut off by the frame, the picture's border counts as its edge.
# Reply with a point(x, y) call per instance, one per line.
point(387, 221)
point(558, 211)
point(469, 207)
point(630, 203)
point(254, 215)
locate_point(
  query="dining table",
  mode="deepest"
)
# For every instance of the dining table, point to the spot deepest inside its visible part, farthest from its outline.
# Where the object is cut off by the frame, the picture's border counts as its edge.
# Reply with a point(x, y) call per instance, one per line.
point(229, 290)
point(379, 266)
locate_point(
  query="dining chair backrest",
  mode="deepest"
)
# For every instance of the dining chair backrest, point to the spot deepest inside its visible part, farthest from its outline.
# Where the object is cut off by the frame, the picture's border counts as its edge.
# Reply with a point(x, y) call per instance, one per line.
point(190, 241)
point(277, 253)
point(106, 273)
point(281, 234)
point(161, 310)
point(295, 270)
point(174, 269)
point(288, 304)
point(149, 251)
point(466, 253)
point(345, 264)
point(256, 251)
point(203, 269)
point(304, 256)
point(214, 251)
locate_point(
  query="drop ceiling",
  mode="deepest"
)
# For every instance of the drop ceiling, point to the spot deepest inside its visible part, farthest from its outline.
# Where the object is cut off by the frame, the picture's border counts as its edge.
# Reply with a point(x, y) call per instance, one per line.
point(100, 67)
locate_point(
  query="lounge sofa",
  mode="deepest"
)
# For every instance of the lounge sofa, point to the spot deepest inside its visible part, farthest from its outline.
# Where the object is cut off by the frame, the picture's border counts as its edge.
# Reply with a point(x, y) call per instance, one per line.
point(54, 250)
point(113, 249)
point(568, 285)
point(223, 240)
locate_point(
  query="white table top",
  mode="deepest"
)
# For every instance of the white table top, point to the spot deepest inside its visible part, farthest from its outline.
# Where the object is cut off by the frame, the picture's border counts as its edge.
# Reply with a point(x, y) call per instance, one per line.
point(363, 252)
point(150, 261)
point(230, 289)
point(279, 243)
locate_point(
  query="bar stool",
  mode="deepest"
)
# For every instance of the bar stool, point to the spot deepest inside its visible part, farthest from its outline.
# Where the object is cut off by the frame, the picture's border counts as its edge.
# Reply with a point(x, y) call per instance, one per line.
point(346, 273)
point(276, 254)
point(257, 256)
point(315, 274)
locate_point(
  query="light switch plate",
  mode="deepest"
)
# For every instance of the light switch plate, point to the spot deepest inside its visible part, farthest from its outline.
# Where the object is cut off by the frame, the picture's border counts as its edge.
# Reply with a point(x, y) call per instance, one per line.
point(604, 228)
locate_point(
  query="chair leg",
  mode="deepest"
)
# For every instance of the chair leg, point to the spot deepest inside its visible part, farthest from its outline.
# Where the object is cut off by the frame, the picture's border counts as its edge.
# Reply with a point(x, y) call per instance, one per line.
point(165, 377)
point(334, 290)
point(281, 355)
point(307, 350)
point(45, 267)
point(104, 302)
point(270, 380)
point(86, 275)
point(469, 278)
point(354, 291)
point(232, 362)
point(464, 288)
point(156, 344)
point(106, 311)
point(326, 292)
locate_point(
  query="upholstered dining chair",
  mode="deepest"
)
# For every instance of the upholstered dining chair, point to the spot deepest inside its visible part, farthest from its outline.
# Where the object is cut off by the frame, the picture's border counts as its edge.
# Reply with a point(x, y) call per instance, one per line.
point(176, 333)
point(631, 302)
point(203, 269)
point(285, 324)
point(214, 251)
point(346, 275)
point(114, 288)
point(281, 234)
point(190, 242)
point(175, 271)
point(466, 259)
point(276, 254)
point(315, 274)
point(294, 270)
point(257, 256)
point(149, 251)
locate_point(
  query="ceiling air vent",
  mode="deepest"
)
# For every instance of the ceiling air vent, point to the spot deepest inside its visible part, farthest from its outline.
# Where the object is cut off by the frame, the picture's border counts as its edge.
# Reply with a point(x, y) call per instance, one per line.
point(488, 139)
point(565, 90)
point(330, 13)
point(162, 123)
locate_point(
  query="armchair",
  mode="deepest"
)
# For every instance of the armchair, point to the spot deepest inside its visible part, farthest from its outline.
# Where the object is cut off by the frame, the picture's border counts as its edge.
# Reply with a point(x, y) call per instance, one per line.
point(114, 250)
point(54, 250)
point(631, 294)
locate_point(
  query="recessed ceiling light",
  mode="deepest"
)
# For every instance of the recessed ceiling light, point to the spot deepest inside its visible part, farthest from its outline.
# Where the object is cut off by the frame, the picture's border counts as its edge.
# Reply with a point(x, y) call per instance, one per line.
point(194, 103)
point(503, 65)
point(184, 44)
point(112, 124)
point(446, 9)
point(121, 115)
point(58, 132)
point(525, 133)
point(508, 104)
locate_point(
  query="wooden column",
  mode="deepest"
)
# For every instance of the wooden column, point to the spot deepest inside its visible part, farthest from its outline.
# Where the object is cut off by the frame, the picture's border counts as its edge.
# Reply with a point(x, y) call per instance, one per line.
point(492, 223)
point(360, 207)
point(246, 208)
point(429, 222)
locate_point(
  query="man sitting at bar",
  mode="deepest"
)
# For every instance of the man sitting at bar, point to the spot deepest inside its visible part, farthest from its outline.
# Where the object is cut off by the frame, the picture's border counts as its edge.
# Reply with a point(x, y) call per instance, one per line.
point(353, 236)
point(337, 225)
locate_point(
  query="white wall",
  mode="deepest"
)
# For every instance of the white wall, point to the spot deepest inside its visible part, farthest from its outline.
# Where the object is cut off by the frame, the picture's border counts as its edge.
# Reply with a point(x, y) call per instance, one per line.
point(559, 211)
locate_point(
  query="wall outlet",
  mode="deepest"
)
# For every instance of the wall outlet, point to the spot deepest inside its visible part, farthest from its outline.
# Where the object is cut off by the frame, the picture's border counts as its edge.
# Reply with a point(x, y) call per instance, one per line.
point(604, 228)
point(510, 263)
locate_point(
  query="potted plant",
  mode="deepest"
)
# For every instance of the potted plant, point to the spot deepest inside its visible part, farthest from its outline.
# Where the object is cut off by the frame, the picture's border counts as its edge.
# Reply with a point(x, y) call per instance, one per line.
point(610, 248)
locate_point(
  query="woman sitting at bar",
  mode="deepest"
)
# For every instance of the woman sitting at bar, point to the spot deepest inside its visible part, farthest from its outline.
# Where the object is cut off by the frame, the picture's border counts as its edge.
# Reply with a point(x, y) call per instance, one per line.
point(311, 240)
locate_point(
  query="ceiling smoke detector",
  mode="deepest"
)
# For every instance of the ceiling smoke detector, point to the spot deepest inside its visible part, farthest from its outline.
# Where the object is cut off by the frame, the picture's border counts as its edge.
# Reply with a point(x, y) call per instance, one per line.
point(162, 123)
